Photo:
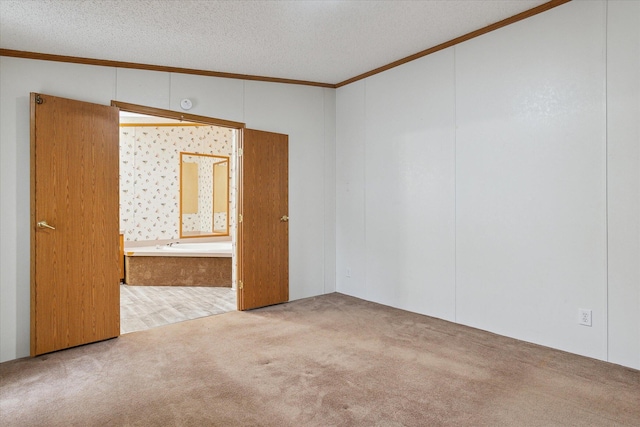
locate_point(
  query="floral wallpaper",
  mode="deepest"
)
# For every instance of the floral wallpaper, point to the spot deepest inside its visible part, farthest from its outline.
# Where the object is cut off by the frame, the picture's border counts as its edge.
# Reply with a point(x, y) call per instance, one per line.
point(149, 175)
point(205, 193)
point(219, 220)
point(190, 222)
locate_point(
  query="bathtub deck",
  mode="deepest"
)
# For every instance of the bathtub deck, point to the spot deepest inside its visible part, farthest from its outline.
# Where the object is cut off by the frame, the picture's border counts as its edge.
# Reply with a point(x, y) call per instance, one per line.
point(177, 271)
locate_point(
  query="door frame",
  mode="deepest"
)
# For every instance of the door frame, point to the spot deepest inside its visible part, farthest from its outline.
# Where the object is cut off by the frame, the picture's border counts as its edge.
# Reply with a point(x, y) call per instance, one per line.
point(239, 126)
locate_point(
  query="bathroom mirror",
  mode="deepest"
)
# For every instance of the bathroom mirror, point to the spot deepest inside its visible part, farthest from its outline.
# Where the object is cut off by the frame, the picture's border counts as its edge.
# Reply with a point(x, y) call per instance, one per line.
point(204, 195)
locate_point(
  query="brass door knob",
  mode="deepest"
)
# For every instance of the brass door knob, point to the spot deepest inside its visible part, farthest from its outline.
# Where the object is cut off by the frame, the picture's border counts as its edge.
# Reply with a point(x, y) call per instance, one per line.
point(284, 218)
point(43, 224)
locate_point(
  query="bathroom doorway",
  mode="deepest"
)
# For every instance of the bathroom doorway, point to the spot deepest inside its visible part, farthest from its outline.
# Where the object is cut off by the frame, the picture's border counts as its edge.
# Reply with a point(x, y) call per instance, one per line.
point(261, 249)
point(178, 208)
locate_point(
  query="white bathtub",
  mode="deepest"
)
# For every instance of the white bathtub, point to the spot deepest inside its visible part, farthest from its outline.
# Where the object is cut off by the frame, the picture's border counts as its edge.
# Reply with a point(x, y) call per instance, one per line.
point(198, 247)
point(179, 249)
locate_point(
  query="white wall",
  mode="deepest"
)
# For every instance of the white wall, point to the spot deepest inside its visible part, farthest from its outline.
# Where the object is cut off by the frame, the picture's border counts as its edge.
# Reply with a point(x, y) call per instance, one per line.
point(531, 155)
point(350, 188)
point(306, 114)
point(623, 180)
point(409, 192)
point(495, 183)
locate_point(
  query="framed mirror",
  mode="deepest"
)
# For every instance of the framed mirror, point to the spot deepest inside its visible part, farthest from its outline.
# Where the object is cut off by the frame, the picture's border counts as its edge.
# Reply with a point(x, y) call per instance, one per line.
point(204, 195)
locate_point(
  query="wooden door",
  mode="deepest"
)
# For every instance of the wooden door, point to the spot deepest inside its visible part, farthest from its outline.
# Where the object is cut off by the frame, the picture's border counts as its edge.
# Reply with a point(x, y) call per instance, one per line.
point(263, 233)
point(75, 292)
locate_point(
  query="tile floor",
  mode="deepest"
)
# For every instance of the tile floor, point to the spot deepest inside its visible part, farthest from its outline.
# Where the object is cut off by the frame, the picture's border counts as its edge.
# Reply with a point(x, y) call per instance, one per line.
point(146, 307)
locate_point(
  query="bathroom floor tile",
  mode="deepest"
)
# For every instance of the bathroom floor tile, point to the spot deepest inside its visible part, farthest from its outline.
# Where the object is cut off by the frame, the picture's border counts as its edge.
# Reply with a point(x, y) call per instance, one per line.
point(145, 307)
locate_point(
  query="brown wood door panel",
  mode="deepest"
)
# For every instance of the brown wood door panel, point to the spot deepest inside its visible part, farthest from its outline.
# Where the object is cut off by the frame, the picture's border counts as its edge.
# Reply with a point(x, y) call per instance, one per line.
point(263, 235)
point(75, 293)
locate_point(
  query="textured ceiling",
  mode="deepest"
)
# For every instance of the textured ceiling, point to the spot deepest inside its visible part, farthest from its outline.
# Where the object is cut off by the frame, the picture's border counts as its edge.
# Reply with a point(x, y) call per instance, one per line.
point(321, 41)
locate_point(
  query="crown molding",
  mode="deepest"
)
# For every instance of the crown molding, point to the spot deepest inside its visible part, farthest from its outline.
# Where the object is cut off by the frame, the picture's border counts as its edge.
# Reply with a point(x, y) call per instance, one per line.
point(120, 64)
point(508, 21)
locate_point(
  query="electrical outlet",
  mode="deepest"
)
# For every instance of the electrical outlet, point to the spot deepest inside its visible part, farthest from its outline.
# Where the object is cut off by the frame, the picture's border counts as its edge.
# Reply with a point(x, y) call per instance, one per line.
point(585, 317)
point(348, 272)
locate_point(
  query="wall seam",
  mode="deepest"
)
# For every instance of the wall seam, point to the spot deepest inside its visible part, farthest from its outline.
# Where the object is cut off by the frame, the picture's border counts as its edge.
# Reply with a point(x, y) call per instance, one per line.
point(364, 188)
point(606, 174)
point(324, 193)
point(455, 189)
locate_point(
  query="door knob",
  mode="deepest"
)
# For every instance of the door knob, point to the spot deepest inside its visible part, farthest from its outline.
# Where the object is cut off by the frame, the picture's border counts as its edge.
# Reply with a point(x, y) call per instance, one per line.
point(43, 224)
point(284, 218)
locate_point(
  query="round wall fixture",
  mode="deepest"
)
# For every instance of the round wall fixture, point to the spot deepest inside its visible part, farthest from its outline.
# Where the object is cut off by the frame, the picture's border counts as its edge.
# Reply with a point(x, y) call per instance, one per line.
point(186, 104)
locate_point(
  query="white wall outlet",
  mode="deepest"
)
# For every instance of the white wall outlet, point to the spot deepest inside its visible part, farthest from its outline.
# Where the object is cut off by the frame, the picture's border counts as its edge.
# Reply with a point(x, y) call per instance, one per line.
point(348, 272)
point(585, 317)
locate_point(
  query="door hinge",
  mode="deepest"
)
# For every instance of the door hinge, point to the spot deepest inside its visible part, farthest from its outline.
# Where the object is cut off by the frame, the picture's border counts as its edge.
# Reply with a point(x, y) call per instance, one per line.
point(39, 99)
point(240, 152)
point(240, 285)
point(239, 218)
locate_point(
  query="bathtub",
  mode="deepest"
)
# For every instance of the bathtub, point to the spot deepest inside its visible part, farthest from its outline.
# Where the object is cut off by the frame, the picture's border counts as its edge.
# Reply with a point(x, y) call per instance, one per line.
point(179, 264)
point(206, 249)
point(180, 249)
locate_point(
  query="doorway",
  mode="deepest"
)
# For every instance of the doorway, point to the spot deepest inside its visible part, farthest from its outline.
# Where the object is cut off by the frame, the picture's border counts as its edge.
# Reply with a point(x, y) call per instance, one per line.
point(177, 190)
point(262, 221)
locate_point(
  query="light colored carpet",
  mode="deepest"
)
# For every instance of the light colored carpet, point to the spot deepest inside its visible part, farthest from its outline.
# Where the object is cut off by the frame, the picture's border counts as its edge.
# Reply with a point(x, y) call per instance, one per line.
point(146, 307)
point(331, 360)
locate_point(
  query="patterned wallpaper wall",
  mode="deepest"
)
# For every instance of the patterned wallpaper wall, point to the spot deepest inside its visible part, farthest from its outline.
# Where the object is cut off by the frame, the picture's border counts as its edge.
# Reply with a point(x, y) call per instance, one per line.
point(149, 175)
point(220, 220)
point(205, 193)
